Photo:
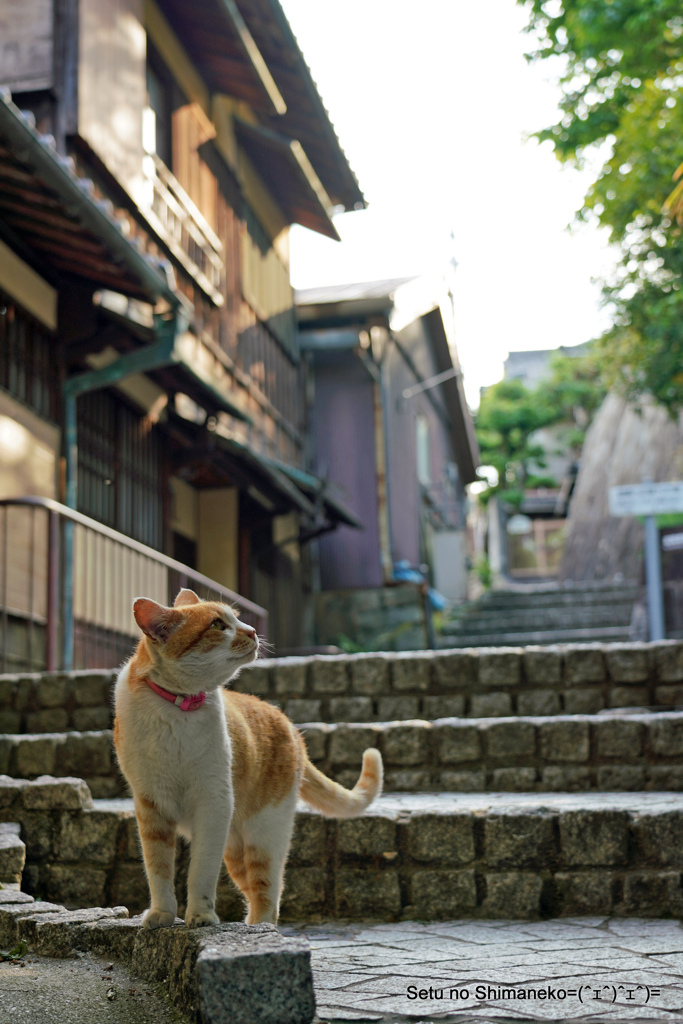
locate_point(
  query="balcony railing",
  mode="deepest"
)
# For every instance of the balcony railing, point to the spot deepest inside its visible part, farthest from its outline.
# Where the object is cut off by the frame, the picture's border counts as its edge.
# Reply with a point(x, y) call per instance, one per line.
point(181, 226)
point(67, 585)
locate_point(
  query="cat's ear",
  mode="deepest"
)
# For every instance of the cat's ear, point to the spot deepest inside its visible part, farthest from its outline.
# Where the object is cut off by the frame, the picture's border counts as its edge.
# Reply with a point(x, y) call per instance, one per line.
point(185, 597)
point(155, 621)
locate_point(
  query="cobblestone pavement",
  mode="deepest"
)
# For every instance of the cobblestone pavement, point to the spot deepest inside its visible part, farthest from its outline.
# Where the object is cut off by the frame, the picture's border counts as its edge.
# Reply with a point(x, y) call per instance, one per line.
point(580, 969)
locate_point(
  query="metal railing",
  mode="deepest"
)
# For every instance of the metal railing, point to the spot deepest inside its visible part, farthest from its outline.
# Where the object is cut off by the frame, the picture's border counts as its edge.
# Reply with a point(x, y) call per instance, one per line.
point(182, 227)
point(67, 585)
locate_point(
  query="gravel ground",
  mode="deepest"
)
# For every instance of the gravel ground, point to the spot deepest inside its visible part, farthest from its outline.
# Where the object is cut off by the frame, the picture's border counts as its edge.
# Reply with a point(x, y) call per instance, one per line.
point(85, 989)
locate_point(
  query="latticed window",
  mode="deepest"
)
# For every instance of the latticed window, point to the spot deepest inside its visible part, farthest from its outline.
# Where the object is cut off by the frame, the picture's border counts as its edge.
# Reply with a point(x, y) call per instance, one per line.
point(28, 367)
point(120, 468)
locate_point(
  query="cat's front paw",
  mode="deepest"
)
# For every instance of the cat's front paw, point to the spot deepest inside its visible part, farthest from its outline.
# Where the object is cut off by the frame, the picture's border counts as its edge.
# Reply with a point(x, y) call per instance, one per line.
point(200, 918)
point(158, 919)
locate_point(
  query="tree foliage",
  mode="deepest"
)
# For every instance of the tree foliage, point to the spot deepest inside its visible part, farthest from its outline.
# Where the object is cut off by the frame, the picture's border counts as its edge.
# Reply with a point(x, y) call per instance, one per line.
point(622, 85)
point(511, 415)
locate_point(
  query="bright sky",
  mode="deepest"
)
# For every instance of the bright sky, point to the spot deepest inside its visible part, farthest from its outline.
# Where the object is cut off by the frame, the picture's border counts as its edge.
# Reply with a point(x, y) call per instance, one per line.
point(431, 101)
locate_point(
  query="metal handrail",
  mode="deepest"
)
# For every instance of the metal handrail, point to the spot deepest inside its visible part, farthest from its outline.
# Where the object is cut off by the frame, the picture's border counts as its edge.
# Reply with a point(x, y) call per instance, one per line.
point(63, 594)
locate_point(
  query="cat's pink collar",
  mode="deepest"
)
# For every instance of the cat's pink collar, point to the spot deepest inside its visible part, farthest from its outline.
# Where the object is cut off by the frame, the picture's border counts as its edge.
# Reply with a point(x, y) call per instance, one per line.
point(186, 702)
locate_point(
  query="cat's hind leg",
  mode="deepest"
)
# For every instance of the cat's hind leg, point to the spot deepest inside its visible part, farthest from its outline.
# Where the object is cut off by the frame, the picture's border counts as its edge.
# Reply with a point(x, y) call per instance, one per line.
point(157, 835)
point(266, 837)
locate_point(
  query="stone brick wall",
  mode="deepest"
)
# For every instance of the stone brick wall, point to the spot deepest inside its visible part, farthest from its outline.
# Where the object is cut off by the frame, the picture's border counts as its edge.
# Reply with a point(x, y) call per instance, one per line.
point(560, 754)
point(83, 755)
point(432, 858)
point(574, 679)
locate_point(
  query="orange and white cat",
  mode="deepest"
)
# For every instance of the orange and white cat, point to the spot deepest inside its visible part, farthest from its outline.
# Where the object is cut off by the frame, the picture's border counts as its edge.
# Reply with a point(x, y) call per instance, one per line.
point(223, 769)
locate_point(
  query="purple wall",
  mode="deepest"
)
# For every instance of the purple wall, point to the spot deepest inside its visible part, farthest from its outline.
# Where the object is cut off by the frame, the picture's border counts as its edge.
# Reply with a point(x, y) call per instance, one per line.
point(342, 422)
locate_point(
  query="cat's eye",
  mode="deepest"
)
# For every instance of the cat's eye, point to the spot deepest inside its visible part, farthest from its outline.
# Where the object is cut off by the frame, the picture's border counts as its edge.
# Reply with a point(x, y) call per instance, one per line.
point(217, 624)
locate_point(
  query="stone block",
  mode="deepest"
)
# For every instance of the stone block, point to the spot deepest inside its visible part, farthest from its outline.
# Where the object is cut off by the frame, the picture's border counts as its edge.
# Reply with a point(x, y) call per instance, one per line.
point(54, 934)
point(542, 665)
point(25, 692)
point(91, 689)
point(627, 663)
point(594, 838)
point(652, 894)
point(659, 839)
point(309, 841)
point(348, 742)
point(625, 777)
point(10, 721)
point(364, 893)
point(463, 782)
point(315, 737)
point(665, 777)
point(442, 895)
point(581, 893)
point(329, 675)
point(454, 670)
point(7, 744)
point(583, 663)
point(39, 832)
point(11, 791)
point(132, 839)
point(304, 894)
point(456, 742)
point(369, 675)
point(669, 695)
point(47, 720)
point(513, 780)
point(564, 739)
point(105, 787)
point(669, 662)
point(565, 780)
point(35, 756)
point(85, 754)
point(78, 885)
point(508, 740)
point(303, 710)
point(619, 737)
point(129, 887)
point(587, 701)
point(628, 697)
point(52, 691)
point(351, 709)
point(666, 735)
point(46, 794)
point(256, 972)
point(87, 719)
point(538, 702)
point(370, 836)
point(519, 840)
point(7, 686)
point(12, 917)
point(499, 666)
point(515, 894)
point(410, 673)
point(444, 706)
point(407, 780)
point(444, 837)
point(490, 705)
point(88, 837)
point(289, 676)
point(397, 709)
point(254, 679)
point(12, 855)
point(405, 744)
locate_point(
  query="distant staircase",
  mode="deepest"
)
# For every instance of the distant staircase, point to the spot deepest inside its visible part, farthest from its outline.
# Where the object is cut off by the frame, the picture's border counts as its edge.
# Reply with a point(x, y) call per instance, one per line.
point(543, 613)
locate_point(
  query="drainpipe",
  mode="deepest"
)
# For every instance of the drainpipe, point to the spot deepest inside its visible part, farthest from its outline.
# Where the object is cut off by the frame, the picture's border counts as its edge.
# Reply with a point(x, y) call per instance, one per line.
point(380, 411)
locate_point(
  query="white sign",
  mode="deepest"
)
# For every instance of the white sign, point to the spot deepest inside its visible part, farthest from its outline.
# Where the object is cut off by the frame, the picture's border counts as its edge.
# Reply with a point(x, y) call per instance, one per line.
point(646, 499)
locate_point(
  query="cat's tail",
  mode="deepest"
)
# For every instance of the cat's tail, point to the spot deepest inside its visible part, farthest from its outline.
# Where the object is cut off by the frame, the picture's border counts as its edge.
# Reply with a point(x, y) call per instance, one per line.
point(332, 799)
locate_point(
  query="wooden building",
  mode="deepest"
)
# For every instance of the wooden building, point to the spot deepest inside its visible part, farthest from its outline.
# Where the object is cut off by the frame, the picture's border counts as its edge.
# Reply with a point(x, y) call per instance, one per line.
point(153, 155)
point(390, 429)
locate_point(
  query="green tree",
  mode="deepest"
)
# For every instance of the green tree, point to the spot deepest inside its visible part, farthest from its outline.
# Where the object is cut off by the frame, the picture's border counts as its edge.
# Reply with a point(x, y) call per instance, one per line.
point(622, 85)
point(510, 415)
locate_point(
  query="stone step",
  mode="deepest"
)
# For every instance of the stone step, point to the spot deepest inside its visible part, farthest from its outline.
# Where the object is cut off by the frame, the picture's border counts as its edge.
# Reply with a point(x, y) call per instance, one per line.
point(542, 638)
point(203, 970)
point(554, 752)
point(12, 856)
point(547, 595)
point(411, 856)
point(542, 620)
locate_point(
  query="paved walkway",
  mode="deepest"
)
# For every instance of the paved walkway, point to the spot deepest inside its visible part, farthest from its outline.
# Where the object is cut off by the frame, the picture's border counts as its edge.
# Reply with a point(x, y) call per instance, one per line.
point(582, 969)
